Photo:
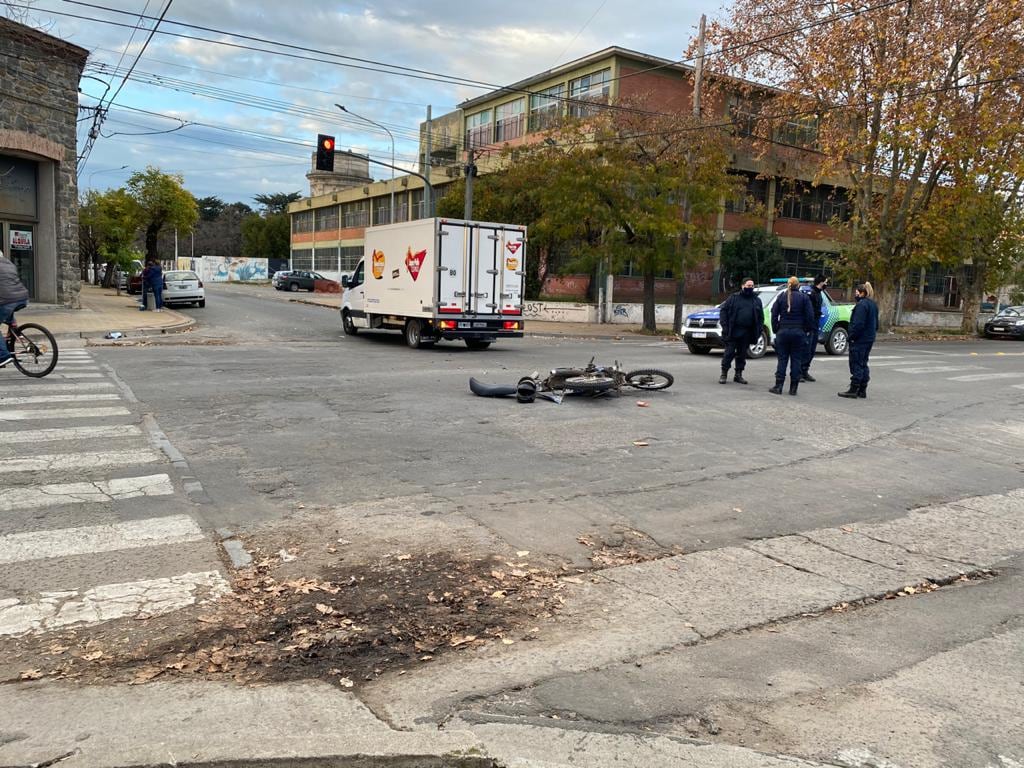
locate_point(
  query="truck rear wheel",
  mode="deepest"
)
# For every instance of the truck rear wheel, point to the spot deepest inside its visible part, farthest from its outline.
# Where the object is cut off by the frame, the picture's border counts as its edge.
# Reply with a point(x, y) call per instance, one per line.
point(414, 333)
point(477, 343)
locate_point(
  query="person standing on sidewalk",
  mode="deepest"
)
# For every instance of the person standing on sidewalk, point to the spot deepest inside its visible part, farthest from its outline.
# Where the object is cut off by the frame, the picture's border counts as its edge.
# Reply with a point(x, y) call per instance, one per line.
point(742, 325)
point(792, 320)
point(13, 294)
point(155, 279)
point(863, 328)
point(820, 283)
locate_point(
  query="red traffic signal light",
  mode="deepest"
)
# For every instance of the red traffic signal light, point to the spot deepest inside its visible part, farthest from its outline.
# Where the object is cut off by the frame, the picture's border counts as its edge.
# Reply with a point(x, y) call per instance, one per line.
point(324, 153)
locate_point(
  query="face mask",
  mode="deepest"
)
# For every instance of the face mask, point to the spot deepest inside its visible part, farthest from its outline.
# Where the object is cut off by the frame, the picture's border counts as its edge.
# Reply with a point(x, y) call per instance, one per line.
point(748, 291)
point(857, 296)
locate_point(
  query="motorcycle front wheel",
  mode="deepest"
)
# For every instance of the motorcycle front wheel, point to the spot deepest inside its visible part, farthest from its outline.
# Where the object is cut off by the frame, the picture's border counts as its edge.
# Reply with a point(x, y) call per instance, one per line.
point(649, 379)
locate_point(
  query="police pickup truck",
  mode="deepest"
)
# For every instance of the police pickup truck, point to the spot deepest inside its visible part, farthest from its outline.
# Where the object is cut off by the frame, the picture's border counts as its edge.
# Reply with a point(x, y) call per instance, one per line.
point(703, 330)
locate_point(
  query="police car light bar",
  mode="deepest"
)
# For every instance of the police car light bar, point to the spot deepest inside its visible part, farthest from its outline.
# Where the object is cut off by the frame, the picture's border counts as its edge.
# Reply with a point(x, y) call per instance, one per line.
point(786, 279)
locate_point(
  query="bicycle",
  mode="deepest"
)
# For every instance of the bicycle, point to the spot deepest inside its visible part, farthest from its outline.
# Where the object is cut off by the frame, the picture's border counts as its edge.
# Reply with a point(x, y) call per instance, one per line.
point(33, 347)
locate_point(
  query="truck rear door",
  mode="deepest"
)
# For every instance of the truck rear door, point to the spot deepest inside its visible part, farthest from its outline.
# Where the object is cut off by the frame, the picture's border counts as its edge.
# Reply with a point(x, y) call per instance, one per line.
point(453, 265)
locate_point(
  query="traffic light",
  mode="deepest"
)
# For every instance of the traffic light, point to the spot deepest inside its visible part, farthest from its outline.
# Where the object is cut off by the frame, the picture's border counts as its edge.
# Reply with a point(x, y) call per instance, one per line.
point(324, 153)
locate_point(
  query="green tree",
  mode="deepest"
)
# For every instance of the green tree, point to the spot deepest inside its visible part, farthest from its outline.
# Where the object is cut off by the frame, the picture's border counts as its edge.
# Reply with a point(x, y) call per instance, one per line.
point(754, 253)
point(108, 223)
point(164, 202)
point(266, 237)
point(210, 208)
point(277, 202)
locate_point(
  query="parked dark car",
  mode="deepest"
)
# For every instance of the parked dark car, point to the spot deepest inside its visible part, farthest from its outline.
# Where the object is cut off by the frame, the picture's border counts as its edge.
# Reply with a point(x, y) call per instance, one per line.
point(298, 280)
point(1008, 324)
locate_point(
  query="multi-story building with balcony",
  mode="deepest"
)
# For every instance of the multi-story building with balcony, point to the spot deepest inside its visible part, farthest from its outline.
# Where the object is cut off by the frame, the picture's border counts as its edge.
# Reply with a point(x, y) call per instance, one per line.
point(778, 169)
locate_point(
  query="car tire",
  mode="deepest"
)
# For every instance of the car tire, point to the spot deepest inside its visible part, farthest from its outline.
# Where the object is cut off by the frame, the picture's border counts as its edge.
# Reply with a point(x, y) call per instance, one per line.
point(760, 349)
point(293, 287)
point(838, 342)
point(698, 349)
point(201, 303)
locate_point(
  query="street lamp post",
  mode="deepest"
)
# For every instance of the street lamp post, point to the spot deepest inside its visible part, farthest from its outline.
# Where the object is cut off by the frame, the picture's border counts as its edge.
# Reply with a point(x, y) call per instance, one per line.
point(391, 218)
point(105, 170)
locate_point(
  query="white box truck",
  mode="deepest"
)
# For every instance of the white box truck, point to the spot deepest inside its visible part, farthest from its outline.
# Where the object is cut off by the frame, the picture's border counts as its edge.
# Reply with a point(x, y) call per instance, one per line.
point(438, 279)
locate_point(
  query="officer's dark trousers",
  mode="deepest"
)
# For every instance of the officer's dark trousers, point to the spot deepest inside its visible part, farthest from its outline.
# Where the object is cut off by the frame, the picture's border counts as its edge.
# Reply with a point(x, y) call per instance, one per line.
point(737, 348)
point(860, 373)
point(789, 346)
point(812, 346)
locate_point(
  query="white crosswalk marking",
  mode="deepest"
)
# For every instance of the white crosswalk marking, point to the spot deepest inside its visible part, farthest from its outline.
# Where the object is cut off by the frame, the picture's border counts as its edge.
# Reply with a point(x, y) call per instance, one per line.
point(38, 545)
point(986, 376)
point(82, 493)
point(62, 574)
point(109, 601)
point(937, 369)
point(6, 400)
point(33, 436)
point(64, 461)
point(62, 413)
point(78, 386)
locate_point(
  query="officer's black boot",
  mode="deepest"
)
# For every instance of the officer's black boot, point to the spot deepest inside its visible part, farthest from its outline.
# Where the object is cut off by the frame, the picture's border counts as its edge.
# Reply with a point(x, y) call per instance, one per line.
point(724, 378)
point(793, 384)
point(853, 390)
point(738, 378)
point(777, 389)
point(807, 377)
point(862, 390)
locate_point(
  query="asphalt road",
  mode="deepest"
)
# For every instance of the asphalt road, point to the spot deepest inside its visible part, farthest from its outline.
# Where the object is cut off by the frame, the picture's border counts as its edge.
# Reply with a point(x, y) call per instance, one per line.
point(296, 436)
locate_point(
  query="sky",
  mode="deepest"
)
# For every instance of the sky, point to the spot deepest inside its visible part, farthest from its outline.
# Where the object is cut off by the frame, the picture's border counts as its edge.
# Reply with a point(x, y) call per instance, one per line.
point(239, 117)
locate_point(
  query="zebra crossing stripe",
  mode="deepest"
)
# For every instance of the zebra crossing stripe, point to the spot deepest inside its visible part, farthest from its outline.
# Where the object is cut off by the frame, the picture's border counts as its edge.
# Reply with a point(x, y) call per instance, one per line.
point(6, 400)
point(62, 413)
point(150, 597)
point(986, 376)
point(78, 386)
point(69, 433)
point(79, 375)
point(92, 539)
point(100, 491)
point(938, 369)
point(63, 461)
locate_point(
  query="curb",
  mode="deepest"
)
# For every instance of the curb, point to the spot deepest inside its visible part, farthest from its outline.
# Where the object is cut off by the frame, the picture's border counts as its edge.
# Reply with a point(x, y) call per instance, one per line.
point(131, 333)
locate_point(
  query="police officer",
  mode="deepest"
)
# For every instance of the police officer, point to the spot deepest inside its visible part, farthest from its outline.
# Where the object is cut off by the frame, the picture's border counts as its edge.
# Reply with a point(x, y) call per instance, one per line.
point(742, 325)
point(863, 327)
point(820, 282)
point(792, 320)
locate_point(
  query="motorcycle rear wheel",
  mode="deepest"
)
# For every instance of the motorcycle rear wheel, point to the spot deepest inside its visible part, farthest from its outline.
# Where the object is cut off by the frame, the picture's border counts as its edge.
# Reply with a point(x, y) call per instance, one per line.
point(590, 383)
point(649, 379)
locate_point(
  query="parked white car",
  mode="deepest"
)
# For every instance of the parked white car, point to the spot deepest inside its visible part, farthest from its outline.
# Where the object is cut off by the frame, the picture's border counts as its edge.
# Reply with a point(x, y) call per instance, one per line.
point(184, 287)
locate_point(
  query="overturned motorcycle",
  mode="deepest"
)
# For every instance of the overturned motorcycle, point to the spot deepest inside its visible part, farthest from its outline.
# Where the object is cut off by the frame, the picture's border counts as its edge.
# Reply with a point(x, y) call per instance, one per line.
point(593, 380)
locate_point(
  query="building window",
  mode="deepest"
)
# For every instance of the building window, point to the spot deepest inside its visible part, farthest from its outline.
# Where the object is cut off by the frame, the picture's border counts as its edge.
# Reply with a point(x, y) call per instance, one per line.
point(302, 222)
point(417, 209)
point(356, 214)
point(401, 206)
point(546, 108)
point(819, 204)
point(325, 259)
point(479, 130)
point(587, 91)
point(745, 113)
point(754, 194)
point(302, 258)
point(382, 210)
point(508, 120)
point(807, 263)
point(326, 218)
point(799, 132)
point(350, 257)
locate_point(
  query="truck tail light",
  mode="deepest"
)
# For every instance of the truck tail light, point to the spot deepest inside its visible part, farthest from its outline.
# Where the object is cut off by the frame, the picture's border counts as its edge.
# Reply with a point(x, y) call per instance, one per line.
point(512, 311)
point(447, 325)
point(450, 310)
point(511, 325)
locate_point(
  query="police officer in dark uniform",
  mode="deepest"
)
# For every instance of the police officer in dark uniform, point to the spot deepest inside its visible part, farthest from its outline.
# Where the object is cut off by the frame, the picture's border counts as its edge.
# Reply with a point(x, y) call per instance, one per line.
point(792, 320)
point(863, 328)
point(742, 319)
point(820, 282)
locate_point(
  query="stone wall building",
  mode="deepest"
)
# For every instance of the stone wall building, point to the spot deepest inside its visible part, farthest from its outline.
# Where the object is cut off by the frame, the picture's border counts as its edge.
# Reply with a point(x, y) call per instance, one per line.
point(39, 77)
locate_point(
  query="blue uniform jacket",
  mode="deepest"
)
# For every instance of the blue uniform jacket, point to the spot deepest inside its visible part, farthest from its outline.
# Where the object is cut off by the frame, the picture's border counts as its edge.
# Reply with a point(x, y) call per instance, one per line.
point(864, 321)
point(798, 315)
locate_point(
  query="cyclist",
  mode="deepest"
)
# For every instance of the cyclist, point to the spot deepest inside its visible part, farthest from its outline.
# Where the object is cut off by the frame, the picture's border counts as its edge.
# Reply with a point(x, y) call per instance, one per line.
point(13, 295)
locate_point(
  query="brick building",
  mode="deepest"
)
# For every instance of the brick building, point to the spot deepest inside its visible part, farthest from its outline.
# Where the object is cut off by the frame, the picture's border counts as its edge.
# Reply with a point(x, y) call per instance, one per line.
point(39, 77)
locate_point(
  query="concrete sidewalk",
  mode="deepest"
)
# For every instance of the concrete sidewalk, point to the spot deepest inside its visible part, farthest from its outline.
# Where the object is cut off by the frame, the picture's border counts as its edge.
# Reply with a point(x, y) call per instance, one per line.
point(104, 311)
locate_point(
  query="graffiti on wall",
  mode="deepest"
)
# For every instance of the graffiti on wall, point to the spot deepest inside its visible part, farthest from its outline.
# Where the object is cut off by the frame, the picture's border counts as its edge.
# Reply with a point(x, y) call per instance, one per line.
point(559, 312)
point(224, 269)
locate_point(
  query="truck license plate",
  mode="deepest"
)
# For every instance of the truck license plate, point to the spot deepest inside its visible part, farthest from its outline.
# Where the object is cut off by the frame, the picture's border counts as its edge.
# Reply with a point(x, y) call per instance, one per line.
point(479, 325)
point(699, 335)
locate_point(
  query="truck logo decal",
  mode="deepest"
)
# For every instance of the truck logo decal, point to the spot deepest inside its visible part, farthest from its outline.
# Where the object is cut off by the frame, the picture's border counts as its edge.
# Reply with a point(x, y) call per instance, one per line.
point(395, 273)
point(513, 247)
point(413, 262)
point(512, 263)
point(378, 264)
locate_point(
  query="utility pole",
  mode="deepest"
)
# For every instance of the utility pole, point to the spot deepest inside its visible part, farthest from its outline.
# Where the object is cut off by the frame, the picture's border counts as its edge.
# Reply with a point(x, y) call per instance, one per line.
point(698, 74)
point(428, 196)
point(470, 169)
